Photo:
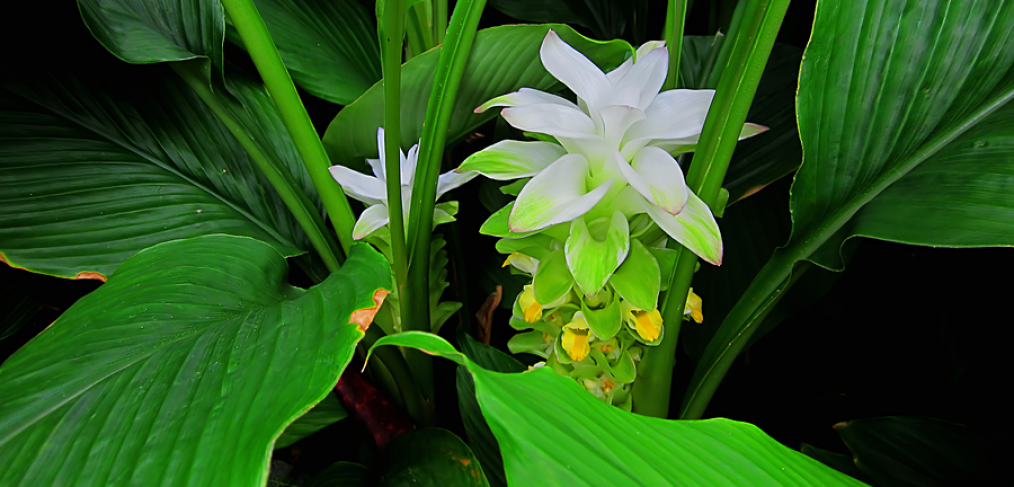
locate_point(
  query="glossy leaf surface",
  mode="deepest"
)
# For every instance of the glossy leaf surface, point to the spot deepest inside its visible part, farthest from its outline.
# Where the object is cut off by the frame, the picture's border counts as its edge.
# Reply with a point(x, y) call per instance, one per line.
point(329, 46)
point(553, 432)
point(502, 59)
point(182, 369)
point(93, 170)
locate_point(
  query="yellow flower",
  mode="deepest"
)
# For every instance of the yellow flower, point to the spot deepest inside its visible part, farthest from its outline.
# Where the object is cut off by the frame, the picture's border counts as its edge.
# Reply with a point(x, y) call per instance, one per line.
point(529, 306)
point(575, 338)
point(694, 307)
point(648, 324)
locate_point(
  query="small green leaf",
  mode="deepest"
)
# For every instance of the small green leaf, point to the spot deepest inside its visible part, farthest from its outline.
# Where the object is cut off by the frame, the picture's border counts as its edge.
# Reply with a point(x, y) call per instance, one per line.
point(324, 414)
point(552, 280)
point(639, 279)
point(604, 323)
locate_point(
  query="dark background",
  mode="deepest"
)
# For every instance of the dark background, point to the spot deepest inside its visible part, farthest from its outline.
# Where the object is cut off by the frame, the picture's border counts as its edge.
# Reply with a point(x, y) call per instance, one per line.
point(905, 331)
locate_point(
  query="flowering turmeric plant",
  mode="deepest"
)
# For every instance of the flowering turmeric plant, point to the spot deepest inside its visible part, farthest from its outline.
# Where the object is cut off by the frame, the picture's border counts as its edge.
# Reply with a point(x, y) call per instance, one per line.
point(616, 155)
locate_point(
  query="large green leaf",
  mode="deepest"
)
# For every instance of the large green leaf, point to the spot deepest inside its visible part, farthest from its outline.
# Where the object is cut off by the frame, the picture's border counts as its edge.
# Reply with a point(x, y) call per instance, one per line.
point(503, 59)
point(606, 18)
point(182, 369)
point(901, 451)
point(431, 457)
point(329, 46)
point(93, 170)
point(889, 90)
point(324, 414)
point(152, 31)
point(888, 86)
point(553, 432)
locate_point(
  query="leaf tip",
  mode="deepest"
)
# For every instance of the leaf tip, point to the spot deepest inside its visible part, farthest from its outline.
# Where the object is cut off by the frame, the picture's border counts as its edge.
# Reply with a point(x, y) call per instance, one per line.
point(363, 317)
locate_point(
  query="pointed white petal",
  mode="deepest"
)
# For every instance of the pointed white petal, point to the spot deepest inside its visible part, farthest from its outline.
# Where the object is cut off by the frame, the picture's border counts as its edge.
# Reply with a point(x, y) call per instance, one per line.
point(374, 218)
point(556, 195)
point(615, 120)
point(694, 227)
point(378, 169)
point(646, 75)
point(408, 165)
point(575, 70)
point(615, 75)
point(364, 188)
point(511, 159)
point(674, 114)
point(555, 120)
point(525, 96)
point(658, 177)
point(383, 157)
point(452, 179)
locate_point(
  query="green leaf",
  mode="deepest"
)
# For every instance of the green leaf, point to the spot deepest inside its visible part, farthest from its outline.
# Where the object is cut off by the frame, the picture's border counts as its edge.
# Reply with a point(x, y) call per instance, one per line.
point(480, 438)
point(907, 86)
point(606, 18)
point(154, 31)
point(183, 368)
point(94, 170)
point(898, 451)
point(329, 47)
point(431, 456)
point(324, 414)
point(594, 254)
point(553, 432)
point(343, 474)
point(639, 279)
point(838, 461)
point(502, 59)
point(767, 157)
point(552, 279)
point(887, 90)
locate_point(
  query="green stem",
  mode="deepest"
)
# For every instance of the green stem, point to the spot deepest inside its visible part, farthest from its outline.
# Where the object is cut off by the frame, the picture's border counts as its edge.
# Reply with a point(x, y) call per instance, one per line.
point(261, 48)
point(725, 51)
point(294, 198)
point(415, 310)
point(439, 21)
point(392, 32)
point(404, 377)
point(675, 18)
point(776, 275)
point(722, 127)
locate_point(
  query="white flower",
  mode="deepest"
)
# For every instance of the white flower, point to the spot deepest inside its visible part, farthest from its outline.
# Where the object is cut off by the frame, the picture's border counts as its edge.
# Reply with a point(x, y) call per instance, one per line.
point(373, 190)
point(616, 146)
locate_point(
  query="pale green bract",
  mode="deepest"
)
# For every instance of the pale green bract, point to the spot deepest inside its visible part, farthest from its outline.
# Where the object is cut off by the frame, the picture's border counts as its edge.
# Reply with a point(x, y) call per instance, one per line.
point(607, 189)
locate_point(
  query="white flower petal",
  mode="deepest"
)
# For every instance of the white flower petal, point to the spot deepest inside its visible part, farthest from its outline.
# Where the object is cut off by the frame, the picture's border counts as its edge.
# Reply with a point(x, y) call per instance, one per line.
point(555, 120)
point(575, 70)
point(615, 120)
point(616, 74)
point(658, 177)
point(646, 75)
point(374, 218)
point(694, 227)
point(525, 96)
point(364, 188)
point(511, 159)
point(674, 114)
point(408, 165)
point(556, 195)
point(378, 169)
point(452, 179)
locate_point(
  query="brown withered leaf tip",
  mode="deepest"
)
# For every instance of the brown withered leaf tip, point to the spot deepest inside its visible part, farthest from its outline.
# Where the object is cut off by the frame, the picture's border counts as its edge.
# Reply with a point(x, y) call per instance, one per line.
point(90, 275)
point(363, 317)
point(485, 315)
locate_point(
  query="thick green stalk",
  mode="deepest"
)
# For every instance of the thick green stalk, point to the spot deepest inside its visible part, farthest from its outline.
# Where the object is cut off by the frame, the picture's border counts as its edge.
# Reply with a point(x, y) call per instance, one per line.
point(392, 31)
point(294, 198)
point(257, 40)
point(725, 51)
point(776, 275)
point(415, 310)
point(439, 21)
point(722, 127)
point(675, 18)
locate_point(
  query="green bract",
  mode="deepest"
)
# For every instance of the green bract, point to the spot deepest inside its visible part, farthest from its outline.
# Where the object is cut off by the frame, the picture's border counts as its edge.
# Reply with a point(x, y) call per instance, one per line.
point(605, 188)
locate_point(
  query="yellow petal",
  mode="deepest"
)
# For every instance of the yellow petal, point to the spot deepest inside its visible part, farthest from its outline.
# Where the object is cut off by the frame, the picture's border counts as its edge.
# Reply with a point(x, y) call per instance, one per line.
point(694, 307)
point(529, 306)
point(575, 343)
point(507, 262)
point(648, 324)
